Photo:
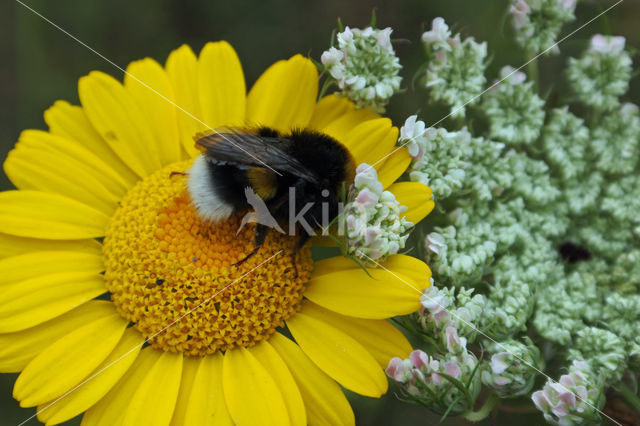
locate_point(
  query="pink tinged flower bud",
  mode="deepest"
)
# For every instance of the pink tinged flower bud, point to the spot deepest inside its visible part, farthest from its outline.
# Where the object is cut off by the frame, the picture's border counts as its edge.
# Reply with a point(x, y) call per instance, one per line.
point(452, 369)
point(437, 379)
point(512, 75)
point(419, 359)
point(435, 242)
point(441, 57)
point(605, 44)
point(399, 370)
point(520, 10)
point(331, 56)
point(498, 362)
point(566, 402)
point(371, 234)
point(439, 32)
point(541, 401)
point(440, 317)
point(367, 198)
point(454, 342)
point(365, 174)
point(501, 381)
point(384, 39)
point(567, 381)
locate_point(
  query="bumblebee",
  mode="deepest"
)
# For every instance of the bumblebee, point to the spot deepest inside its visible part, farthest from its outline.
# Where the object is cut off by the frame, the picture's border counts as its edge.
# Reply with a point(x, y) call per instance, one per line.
point(293, 181)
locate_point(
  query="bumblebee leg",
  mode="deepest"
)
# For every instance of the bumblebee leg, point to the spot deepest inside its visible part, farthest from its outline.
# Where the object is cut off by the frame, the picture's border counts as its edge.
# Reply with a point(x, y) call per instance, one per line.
point(301, 242)
point(177, 174)
point(260, 236)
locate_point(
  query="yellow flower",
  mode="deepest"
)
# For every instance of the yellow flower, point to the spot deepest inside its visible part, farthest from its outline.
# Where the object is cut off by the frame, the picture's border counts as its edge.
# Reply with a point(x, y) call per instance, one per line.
point(103, 257)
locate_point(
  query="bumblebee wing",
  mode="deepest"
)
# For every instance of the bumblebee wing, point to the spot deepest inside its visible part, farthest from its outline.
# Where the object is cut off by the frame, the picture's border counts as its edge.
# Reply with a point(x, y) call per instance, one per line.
point(247, 150)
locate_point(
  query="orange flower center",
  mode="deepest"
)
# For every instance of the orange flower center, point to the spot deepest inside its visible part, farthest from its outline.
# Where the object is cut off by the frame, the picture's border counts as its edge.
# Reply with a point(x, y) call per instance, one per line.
point(172, 275)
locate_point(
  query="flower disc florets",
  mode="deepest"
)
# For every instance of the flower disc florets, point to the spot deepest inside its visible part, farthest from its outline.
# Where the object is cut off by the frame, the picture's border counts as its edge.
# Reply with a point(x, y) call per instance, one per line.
point(165, 264)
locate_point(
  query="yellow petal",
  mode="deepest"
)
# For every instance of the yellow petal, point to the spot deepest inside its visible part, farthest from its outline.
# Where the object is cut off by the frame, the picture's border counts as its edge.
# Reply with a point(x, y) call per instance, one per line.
point(34, 169)
point(201, 399)
point(116, 116)
point(329, 109)
point(271, 361)
point(155, 399)
point(284, 97)
point(182, 69)
point(67, 361)
point(379, 295)
point(150, 88)
point(251, 393)
point(221, 88)
point(338, 354)
point(41, 215)
point(379, 337)
point(410, 266)
point(72, 151)
point(190, 367)
point(323, 399)
point(96, 384)
point(33, 265)
point(11, 245)
point(28, 303)
point(370, 142)
point(109, 410)
point(417, 198)
point(146, 395)
point(341, 127)
point(20, 347)
point(393, 167)
point(70, 122)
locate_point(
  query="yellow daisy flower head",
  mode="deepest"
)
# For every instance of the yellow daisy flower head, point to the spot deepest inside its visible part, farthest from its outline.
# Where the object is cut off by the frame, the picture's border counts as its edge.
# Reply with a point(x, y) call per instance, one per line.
point(120, 302)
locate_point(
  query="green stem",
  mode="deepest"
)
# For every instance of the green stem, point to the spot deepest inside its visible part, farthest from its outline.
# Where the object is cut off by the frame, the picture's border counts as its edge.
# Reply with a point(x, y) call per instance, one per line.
point(484, 411)
point(532, 69)
point(630, 397)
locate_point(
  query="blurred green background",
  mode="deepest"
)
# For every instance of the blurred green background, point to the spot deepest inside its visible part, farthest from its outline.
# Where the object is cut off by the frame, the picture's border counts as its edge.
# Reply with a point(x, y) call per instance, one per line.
point(40, 64)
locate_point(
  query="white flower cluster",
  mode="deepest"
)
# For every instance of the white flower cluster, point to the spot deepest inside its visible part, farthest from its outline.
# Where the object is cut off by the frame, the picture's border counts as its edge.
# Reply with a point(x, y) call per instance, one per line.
point(565, 139)
point(515, 111)
point(452, 163)
point(538, 212)
point(511, 370)
point(573, 400)
point(438, 380)
point(442, 161)
point(602, 350)
point(455, 72)
point(562, 304)
point(537, 23)
point(616, 141)
point(375, 225)
point(509, 306)
point(462, 254)
point(442, 308)
point(365, 66)
point(602, 74)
